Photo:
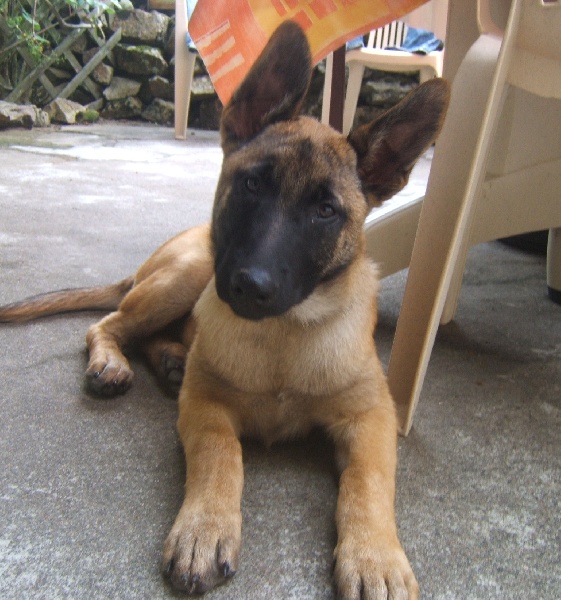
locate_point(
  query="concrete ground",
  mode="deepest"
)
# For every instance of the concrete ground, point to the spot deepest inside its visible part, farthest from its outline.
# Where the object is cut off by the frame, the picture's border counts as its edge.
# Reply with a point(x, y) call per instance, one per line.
point(90, 487)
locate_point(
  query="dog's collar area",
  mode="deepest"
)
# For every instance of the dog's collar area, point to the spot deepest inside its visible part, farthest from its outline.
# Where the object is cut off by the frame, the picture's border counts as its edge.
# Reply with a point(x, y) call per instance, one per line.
point(334, 273)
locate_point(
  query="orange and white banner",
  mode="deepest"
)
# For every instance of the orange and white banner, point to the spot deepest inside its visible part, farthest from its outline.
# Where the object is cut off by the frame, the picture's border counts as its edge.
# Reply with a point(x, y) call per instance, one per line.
point(230, 34)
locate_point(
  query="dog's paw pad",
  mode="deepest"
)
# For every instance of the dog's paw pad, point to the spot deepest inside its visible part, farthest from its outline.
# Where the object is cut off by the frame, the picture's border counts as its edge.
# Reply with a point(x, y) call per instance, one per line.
point(172, 369)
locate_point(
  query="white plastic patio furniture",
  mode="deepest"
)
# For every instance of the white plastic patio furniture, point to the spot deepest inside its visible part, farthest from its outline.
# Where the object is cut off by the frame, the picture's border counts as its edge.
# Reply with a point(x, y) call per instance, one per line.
point(496, 172)
point(185, 55)
point(376, 55)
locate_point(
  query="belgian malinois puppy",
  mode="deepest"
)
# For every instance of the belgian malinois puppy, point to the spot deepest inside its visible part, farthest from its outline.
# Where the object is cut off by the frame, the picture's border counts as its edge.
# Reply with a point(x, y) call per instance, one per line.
point(277, 302)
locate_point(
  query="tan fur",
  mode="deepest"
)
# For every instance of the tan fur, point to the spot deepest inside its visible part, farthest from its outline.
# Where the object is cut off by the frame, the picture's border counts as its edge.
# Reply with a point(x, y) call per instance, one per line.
point(172, 281)
point(314, 365)
point(53, 303)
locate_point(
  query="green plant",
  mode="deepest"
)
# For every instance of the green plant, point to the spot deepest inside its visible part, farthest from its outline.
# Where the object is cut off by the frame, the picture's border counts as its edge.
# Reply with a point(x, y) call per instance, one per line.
point(35, 26)
point(90, 116)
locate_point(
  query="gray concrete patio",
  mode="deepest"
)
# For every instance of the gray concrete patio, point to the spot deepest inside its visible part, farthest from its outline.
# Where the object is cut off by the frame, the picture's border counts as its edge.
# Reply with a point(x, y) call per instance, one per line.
point(90, 487)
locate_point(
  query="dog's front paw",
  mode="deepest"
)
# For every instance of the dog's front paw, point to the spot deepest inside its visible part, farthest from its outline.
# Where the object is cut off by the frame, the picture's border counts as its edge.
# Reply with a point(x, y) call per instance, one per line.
point(370, 572)
point(202, 550)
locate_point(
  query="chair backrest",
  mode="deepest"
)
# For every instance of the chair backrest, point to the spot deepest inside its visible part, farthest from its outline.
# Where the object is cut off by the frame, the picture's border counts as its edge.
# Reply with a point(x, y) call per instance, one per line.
point(431, 16)
point(530, 61)
point(389, 36)
point(536, 43)
point(536, 66)
point(492, 16)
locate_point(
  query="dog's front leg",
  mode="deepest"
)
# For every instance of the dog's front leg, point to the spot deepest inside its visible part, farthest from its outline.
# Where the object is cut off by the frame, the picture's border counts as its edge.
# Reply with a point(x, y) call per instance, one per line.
point(369, 561)
point(202, 549)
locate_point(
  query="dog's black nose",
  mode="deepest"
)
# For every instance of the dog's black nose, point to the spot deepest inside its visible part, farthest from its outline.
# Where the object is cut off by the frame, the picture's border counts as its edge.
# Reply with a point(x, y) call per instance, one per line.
point(253, 286)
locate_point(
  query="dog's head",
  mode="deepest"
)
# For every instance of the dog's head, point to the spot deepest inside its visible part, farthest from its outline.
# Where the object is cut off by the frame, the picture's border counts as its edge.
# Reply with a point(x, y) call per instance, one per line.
point(293, 194)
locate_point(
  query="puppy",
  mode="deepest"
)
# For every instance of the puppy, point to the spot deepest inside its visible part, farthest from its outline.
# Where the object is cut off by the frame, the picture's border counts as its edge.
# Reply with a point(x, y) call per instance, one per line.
point(276, 300)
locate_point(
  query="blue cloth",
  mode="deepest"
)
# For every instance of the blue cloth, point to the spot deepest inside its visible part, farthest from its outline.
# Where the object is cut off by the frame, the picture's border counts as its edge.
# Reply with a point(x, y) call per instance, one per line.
point(357, 42)
point(420, 41)
point(190, 8)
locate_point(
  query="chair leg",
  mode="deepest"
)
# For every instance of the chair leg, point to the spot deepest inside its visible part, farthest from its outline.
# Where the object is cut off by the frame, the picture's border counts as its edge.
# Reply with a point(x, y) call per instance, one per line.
point(354, 83)
point(326, 102)
point(442, 228)
point(554, 264)
point(184, 69)
point(426, 73)
point(455, 287)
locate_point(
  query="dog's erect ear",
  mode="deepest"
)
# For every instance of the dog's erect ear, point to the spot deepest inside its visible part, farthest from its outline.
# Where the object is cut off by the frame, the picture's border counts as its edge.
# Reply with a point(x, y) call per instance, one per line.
point(273, 89)
point(388, 147)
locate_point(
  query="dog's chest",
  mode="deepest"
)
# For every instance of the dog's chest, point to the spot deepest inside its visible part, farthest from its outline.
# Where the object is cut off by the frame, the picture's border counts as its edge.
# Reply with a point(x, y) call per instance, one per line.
point(280, 376)
point(277, 415)
point(258, 358)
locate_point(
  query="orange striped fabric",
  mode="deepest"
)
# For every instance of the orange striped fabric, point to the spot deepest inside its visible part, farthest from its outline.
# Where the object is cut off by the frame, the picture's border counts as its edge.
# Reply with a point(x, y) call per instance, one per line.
point(230, 34)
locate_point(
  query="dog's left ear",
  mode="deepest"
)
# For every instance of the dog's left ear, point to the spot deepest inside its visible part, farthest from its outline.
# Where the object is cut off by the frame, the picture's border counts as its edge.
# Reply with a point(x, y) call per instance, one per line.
point(388, 147)
point(273, 90)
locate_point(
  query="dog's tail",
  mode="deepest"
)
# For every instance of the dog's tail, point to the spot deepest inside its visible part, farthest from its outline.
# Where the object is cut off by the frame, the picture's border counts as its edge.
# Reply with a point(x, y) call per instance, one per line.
point(106, 298)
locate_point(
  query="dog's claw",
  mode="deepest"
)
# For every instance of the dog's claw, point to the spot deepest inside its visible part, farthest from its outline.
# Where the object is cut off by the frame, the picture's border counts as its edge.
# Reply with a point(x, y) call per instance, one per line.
point(197, 586)
point(110, 381)
point(192, 584)
point(227, 571)
point(168, 568)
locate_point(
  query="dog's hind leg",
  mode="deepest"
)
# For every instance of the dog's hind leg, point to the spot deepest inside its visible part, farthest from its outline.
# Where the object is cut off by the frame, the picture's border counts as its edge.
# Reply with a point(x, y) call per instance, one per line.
point(157, 301)
point(167, 357)
point(166, 289)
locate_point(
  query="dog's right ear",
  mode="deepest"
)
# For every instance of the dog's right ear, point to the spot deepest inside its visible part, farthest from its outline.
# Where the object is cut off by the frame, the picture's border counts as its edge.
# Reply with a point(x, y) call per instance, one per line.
point(272, 91)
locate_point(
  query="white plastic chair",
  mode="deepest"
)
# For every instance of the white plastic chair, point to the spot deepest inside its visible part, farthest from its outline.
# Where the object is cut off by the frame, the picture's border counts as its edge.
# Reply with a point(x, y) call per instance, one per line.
point(428, 65)
point(496, 172)
point(184, 69)
point(375, 55)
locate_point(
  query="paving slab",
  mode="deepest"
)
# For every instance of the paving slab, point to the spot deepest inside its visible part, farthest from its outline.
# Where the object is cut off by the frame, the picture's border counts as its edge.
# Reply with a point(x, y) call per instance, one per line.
point(90, 487)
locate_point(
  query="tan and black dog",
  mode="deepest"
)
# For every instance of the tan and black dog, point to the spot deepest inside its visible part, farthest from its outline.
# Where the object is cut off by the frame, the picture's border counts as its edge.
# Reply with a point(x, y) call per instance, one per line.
point(277, 302)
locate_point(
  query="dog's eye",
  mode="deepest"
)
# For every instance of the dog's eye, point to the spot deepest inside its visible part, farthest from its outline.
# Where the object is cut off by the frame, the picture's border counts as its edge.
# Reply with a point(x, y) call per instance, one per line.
point(252, 184)
point(325, 211)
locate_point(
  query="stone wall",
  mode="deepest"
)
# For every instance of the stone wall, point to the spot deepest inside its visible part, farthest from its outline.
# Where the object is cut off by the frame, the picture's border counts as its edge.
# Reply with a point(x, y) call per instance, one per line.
point(135, 81)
